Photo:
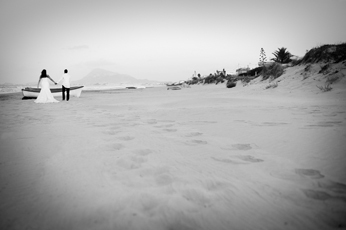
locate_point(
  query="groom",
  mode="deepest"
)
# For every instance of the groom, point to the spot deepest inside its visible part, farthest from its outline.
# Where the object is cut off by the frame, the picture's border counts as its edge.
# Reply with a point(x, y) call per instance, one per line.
point(65, 85)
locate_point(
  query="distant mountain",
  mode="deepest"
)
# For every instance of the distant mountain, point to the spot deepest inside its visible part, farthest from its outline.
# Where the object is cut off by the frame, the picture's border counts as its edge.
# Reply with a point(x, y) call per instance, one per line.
point(105, 77)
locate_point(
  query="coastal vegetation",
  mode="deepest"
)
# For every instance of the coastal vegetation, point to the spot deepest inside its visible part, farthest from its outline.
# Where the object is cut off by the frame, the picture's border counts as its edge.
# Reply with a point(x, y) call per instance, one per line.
point(325, 88)
point(272, 71)
point(212, 78)
point(325, 55)
point(273, 85)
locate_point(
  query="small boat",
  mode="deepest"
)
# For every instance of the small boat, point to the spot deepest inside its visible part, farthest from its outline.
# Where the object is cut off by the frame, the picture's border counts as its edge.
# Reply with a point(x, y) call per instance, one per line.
point(173, 87)
point(29, 92)
point(131, 87)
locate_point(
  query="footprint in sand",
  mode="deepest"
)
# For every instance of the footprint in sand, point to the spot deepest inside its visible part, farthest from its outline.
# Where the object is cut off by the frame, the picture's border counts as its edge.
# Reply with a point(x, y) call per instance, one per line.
point(163, 126)
point(167, 121)
point(125, 138)
point(110, 132)
point(214, 185)
point(313, 174)
point(273, 123)
point(284, 175)
point(243, 147)
point(224, 160)
point(335, 187)
point(170, 130)
point(129, 119)
point(131, 163)
point(194, 134)
point(160, 175)
point(154, 171)
point(142, 152)
point(151, 122)
point(137, 159)
point(325, 124)
point(114, 127)
point(249, 158)
point(163, 179)
point(115, 146)
point(128, 164)
point(100, 125)
point(148, 203)
point(196, 197)
point(207, 122)
point(316, 195)
point(198, 142)
point(322, 196)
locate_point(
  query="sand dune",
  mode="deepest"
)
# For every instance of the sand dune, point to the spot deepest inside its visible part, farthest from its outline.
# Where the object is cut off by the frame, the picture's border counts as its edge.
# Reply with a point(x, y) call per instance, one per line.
point(204, 157)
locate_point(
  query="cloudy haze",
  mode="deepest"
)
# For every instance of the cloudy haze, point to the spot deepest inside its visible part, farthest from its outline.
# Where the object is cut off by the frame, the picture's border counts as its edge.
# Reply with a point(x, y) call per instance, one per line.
point(158, 39)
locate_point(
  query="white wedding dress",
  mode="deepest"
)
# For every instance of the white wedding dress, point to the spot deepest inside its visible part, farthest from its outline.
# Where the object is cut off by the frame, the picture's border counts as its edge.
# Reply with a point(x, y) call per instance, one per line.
point(45, 95)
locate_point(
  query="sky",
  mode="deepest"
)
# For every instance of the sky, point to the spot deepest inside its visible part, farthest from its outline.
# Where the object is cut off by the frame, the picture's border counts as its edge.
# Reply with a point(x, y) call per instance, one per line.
point(164, 40)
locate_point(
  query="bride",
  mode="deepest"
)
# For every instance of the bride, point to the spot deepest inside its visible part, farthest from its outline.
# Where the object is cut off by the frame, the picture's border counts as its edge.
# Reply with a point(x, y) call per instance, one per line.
point(45, 95)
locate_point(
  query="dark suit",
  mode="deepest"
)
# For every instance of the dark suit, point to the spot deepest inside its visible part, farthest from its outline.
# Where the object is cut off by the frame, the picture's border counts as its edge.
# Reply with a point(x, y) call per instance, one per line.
point(67, 93)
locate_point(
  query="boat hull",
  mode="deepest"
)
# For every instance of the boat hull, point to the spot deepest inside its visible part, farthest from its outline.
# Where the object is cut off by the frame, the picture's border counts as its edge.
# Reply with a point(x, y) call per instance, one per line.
point(173, 87)
point(28, 92)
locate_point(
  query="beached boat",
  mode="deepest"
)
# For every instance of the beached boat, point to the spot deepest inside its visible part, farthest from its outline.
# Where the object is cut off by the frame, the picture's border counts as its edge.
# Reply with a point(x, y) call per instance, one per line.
point(176, 85)
point(173, 87)
point(75, 91)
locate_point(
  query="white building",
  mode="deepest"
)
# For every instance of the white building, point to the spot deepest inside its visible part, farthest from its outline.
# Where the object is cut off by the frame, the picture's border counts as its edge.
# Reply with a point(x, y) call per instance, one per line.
point(242, 70)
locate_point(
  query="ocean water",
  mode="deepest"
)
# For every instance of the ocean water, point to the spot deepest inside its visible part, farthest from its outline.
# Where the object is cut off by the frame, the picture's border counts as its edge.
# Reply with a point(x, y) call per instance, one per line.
point(18, 88)
point(12, 88)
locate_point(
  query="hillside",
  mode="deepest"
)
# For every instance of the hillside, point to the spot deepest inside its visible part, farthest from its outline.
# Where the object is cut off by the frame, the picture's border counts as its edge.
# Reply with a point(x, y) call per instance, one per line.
point(105, 77)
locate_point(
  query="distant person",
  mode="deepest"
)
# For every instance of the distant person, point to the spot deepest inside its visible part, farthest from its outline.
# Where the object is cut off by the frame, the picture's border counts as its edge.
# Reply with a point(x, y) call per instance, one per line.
point(45, 95)
point(65, 85)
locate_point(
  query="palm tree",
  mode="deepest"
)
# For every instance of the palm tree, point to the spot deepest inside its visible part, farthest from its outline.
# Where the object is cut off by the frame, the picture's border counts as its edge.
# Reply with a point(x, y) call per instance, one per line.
point(282, 56)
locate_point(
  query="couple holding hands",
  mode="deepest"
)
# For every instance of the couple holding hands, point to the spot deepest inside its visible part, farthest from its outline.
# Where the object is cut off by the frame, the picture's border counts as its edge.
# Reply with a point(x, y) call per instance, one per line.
point(45, 95)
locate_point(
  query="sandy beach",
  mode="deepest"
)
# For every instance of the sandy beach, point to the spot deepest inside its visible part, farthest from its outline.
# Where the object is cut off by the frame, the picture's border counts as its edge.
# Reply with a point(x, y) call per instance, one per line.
point(204, 157)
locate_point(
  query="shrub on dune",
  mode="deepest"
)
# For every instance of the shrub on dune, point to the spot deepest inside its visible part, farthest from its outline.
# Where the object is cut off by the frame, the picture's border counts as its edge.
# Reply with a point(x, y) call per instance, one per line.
point(231, 84)
point(273, 71)
point(326, 53)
